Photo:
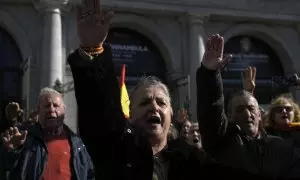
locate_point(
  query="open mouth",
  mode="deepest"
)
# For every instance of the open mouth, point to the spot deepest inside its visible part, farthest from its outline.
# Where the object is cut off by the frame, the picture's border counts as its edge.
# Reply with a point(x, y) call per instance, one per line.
point(154, 120)
point(51, 118)
point(195, 140)
point(284, 117)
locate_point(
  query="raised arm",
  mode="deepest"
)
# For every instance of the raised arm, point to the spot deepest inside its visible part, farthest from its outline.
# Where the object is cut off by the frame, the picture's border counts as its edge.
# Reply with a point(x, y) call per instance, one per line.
point(210, 100)
point(97, 93)
point(248, 78)
point(96, 87)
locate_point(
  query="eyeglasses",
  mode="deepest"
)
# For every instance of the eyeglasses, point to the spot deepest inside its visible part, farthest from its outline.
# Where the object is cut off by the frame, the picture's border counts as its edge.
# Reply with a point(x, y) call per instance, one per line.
point(280, 109)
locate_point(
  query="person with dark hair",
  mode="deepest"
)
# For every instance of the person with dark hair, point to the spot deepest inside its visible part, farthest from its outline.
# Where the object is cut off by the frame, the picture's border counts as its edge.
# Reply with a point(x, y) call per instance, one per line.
point(239, 139)
point(194, 137)
point(137, 148)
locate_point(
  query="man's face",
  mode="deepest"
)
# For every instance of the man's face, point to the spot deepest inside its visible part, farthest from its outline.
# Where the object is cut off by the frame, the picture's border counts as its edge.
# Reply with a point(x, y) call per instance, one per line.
point(51, 111)
point(151, 111)
point(185, 130)
point(194, 136)
point(245, 113)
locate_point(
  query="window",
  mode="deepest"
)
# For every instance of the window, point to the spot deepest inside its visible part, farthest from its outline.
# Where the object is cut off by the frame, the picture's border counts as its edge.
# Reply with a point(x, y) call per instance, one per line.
point(250, 51)
point(141, 56)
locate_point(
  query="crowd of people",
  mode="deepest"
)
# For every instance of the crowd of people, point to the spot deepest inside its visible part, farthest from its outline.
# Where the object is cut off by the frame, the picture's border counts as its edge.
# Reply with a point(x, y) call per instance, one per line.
point(243, 141)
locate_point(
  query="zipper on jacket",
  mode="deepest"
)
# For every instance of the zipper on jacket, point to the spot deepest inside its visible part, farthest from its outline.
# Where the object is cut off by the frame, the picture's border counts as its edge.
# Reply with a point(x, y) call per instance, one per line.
point(45, 158)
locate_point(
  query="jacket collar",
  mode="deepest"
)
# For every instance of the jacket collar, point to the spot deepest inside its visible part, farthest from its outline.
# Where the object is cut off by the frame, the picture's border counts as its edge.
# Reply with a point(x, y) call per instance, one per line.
point(37, 131)
point(76, 144)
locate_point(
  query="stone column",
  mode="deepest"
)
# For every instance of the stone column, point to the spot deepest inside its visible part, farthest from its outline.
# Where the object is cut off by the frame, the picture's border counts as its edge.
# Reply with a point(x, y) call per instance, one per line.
point(196, 51)
point(51, 57)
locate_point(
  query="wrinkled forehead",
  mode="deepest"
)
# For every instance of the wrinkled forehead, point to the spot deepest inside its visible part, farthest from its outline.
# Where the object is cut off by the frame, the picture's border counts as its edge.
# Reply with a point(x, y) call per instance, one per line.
point(244, 101)
point(150, 92)
point(51, 97)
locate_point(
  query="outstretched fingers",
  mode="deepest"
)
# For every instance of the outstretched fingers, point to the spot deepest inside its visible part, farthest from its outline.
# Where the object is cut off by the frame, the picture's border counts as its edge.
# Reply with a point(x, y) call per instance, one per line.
point(226, 59)
point(253, 77)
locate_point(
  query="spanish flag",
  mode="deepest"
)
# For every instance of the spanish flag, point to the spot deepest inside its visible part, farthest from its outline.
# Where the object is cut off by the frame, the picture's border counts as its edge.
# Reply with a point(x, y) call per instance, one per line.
point(124, 94)
point(294, 125)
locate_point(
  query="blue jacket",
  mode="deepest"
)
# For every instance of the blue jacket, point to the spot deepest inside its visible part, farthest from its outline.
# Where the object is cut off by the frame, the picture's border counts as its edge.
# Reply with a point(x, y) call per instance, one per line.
point(29, 162)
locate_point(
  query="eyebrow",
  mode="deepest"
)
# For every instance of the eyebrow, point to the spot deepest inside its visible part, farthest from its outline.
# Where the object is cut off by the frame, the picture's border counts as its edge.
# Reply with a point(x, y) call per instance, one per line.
point(150, 98)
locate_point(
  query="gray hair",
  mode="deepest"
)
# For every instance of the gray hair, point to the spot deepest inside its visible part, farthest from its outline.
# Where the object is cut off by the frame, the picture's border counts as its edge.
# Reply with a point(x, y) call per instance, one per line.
point(242, 93)
point(48, 92)
point(150, 81)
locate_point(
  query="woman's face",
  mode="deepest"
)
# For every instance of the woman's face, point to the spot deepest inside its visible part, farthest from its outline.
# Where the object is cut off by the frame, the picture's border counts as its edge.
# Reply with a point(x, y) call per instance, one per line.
point(283, 114)
point(151, 111)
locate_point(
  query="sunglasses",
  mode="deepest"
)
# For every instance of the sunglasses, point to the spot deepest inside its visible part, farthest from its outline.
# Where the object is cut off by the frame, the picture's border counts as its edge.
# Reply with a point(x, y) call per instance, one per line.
point(280, 109)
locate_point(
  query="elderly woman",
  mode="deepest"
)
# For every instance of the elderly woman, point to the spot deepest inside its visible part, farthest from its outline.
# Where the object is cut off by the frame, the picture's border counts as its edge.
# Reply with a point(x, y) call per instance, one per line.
point(282, 113)
point(135, 149)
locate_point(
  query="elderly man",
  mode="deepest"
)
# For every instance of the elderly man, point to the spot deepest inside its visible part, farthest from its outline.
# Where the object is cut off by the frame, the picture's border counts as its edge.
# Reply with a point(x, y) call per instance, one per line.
point(129, 149)
point(48, 150)
point(239, 140)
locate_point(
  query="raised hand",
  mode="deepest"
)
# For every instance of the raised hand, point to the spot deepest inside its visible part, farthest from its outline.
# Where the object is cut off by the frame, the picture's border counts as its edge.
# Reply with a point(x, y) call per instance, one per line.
point(12, 138)
point(249, 77)
point(92, 23)
point(213, 57)
point(13, 111)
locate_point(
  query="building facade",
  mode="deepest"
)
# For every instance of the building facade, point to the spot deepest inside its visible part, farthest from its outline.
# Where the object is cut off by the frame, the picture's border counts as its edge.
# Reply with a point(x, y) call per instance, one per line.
point(162, 38)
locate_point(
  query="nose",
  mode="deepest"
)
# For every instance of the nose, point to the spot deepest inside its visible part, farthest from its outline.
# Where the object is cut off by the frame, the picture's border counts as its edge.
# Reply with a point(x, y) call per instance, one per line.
point(51, 108)
point(246, 113)
point(195, 133)
point(154, 106)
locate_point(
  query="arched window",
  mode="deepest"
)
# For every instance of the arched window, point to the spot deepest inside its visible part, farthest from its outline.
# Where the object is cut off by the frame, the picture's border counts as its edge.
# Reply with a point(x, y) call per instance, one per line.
point(141, 56)
point(10, 72)
point(250, 51)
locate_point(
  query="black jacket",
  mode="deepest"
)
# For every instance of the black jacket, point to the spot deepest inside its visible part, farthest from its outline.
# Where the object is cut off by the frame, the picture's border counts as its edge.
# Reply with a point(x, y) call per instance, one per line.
point(28, 163)
point(270, 156)
point(118, 150)
point(291, 136)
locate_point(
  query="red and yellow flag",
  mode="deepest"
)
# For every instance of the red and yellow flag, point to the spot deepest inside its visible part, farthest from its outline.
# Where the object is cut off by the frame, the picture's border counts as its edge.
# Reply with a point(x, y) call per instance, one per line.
point(125, 102)
point(294, 125)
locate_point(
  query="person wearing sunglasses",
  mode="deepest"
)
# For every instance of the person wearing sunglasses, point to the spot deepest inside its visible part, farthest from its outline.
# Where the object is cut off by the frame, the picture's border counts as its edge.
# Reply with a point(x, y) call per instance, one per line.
point(283, 118)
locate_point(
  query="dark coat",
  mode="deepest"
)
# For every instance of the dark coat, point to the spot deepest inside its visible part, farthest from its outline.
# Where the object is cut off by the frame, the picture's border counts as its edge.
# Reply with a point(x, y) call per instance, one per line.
point(269, 156)
point(291, 135)
point(28, 162)
point(118, 150)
